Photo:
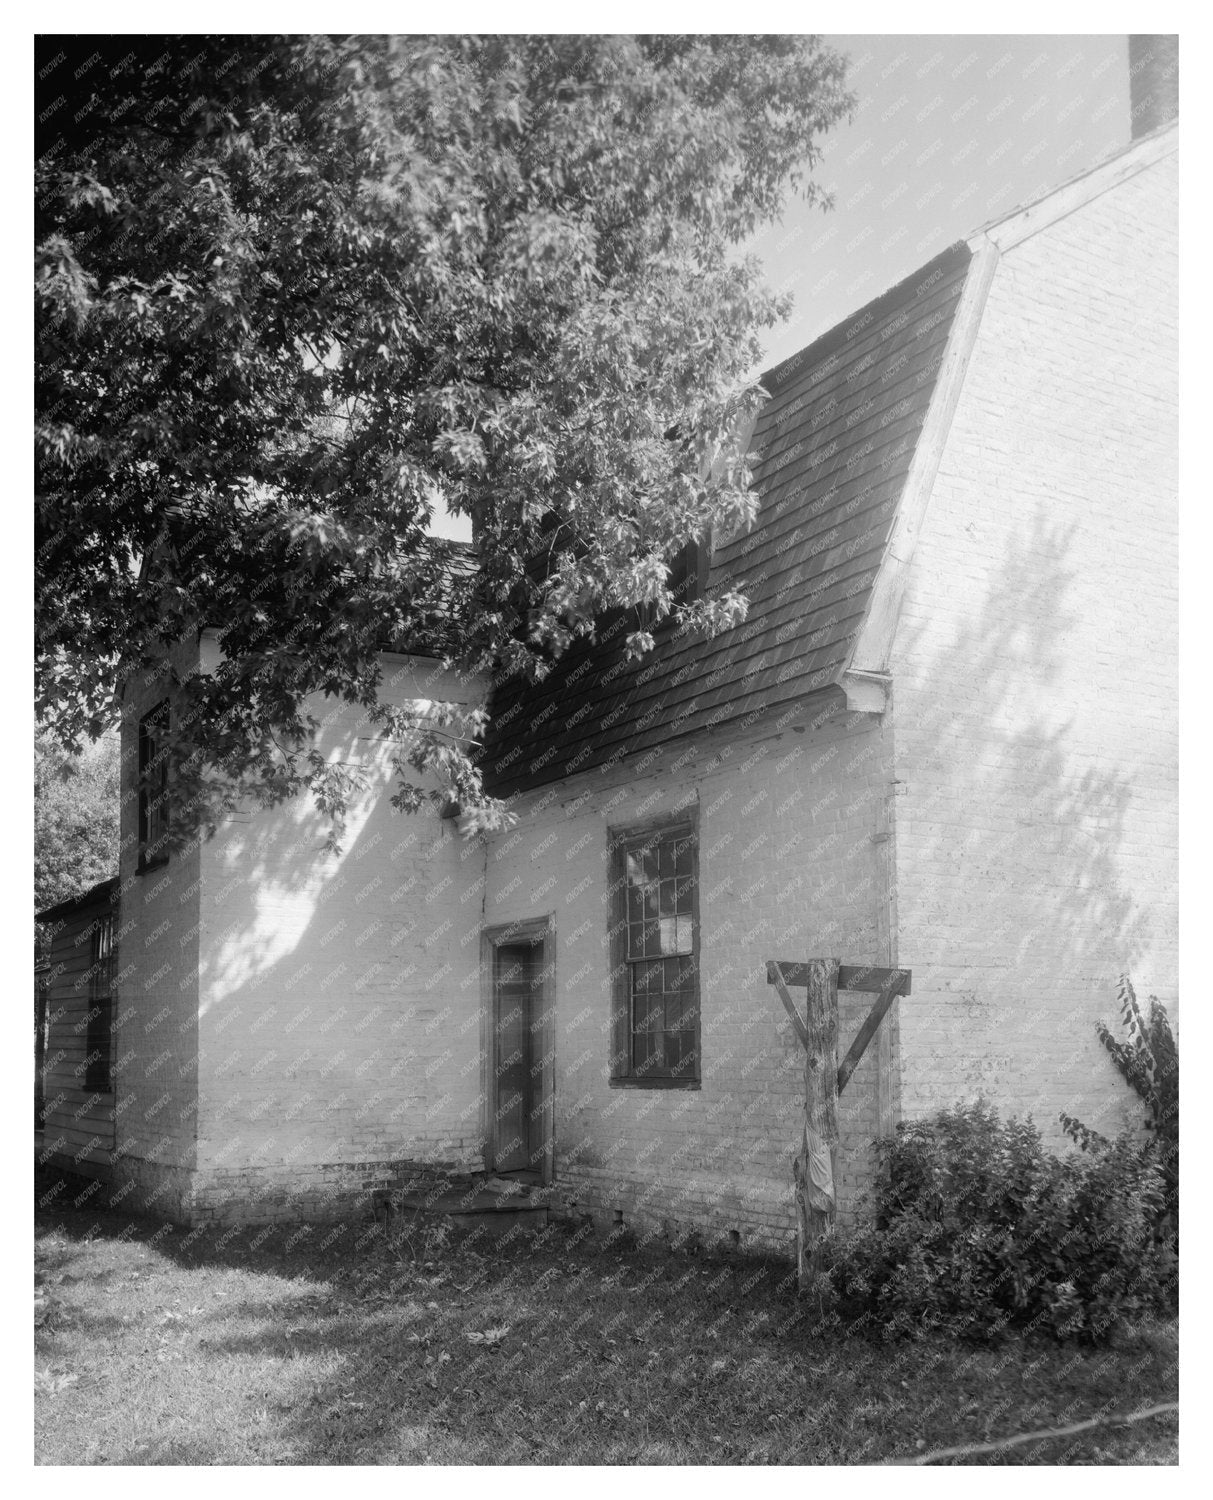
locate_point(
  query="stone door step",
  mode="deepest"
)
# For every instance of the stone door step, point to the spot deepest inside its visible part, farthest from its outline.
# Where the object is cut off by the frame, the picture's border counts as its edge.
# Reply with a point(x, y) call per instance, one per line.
point(469, 1200)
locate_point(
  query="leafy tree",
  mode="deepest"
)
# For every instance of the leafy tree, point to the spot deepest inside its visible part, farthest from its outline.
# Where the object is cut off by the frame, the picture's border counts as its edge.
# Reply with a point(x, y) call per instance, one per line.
point(75, 818)
point(295, 295)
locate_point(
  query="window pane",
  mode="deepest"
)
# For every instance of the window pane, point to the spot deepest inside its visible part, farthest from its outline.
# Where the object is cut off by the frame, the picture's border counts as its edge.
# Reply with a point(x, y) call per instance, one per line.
point(689, 1054)
point(647, 1054)
point(647, 1006)
point(676, 935)
point(650, 940)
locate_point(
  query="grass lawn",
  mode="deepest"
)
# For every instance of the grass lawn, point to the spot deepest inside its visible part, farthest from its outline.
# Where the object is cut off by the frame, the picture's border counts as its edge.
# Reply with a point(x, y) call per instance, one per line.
point(334, 1344)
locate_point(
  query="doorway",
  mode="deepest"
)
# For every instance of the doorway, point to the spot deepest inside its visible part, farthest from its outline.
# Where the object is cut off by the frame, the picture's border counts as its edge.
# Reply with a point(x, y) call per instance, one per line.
point(518, 1097)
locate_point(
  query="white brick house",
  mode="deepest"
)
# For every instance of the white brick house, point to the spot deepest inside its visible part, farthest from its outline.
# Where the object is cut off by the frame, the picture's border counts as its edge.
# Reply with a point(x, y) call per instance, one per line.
point(945, 740)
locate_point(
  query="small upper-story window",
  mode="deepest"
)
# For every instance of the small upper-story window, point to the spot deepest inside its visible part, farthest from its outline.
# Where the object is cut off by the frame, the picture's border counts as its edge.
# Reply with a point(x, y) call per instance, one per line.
point(153, 788)
point(687, 580)
point(688, 572)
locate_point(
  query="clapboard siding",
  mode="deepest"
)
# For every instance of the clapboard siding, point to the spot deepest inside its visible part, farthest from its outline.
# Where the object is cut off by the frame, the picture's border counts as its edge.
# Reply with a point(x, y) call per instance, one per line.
point(833, 446)
point(79, 1122)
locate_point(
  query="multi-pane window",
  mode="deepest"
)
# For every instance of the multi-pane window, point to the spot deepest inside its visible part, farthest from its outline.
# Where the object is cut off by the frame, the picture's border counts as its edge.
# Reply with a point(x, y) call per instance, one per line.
point(153, 788)
point(99, 1036)
point(656, 945)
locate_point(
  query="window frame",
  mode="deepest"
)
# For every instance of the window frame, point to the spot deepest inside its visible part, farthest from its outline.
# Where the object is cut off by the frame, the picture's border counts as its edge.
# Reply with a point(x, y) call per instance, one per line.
point(153, 816)
point(693, 562)
point(687, 573)
point(99, 1033)
point(622, 1070)
point(539, 931)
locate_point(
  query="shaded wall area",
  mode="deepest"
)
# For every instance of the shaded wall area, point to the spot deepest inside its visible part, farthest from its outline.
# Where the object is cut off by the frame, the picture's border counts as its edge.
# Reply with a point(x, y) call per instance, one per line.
point(156, 1019)
point(77, 1096)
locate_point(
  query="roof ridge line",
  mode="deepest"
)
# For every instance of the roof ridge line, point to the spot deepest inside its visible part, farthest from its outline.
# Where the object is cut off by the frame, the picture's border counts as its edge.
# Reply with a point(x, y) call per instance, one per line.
point(1026, 219)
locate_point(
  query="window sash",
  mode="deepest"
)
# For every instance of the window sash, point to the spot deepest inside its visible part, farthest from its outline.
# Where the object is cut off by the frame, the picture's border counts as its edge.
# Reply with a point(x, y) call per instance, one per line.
point(655, 880)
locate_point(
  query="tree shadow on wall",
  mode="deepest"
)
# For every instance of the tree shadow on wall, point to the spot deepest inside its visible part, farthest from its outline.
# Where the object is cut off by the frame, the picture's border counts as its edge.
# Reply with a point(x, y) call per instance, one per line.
point(327, 982)
point(1016, 866)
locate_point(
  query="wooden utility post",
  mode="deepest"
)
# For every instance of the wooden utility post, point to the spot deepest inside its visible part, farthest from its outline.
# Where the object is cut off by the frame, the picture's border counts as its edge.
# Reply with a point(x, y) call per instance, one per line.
point(816, 1198)
point(815, 1168)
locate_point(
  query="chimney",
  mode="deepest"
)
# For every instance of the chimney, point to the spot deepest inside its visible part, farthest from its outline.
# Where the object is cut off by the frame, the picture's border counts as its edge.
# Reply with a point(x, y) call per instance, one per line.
point(1153, 83)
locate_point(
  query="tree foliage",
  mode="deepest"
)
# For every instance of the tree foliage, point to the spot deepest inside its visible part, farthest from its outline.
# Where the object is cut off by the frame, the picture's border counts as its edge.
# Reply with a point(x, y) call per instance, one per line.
point(1148, 1061)
point(76, 801)
point(295, 296)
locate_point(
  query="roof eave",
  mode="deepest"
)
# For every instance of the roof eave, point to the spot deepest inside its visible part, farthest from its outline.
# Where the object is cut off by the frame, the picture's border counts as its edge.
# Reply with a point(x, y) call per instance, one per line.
point(864, 675)
point(104, 890)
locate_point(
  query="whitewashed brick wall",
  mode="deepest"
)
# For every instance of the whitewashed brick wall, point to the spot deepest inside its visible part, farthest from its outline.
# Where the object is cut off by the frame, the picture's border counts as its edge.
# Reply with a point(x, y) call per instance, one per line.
point(792, 862)
point(338, 992)
point(1035, 677)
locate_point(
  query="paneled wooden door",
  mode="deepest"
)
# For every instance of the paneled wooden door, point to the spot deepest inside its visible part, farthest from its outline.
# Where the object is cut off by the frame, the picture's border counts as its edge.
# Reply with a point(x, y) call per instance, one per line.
point(517, 1134)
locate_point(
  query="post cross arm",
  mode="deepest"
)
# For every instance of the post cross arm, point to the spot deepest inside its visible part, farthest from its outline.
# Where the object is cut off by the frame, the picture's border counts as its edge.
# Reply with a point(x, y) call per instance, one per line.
point(887, 984)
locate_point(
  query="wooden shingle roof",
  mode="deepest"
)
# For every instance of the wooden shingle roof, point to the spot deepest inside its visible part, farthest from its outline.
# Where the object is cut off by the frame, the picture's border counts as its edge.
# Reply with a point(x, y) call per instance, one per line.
point(834, 444)
point(105, 892)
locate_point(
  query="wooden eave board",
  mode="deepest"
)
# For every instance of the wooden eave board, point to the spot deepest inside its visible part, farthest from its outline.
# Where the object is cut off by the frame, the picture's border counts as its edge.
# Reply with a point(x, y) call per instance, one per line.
point(834, 445)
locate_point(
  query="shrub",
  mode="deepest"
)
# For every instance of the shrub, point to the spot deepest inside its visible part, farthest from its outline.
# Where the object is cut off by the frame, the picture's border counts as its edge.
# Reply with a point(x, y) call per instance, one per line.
point(1149, 1064)
point(979, 1229)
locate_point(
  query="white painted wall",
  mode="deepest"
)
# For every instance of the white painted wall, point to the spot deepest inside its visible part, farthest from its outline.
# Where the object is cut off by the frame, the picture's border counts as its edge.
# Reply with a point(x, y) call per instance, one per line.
point(792, 865)
point(1034, 673)
point(339, 992)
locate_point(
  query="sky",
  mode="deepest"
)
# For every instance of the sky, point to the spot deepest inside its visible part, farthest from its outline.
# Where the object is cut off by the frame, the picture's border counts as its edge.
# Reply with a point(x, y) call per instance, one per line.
point(949, 132)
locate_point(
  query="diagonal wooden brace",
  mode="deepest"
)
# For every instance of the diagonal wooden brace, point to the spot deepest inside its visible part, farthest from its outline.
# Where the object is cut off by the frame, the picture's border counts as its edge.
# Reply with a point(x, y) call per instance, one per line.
point(775, 975)
point(896, 983)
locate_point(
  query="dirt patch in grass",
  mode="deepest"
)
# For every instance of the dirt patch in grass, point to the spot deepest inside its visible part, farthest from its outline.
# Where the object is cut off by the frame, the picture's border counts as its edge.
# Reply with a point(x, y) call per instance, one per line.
point(337, 1344)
